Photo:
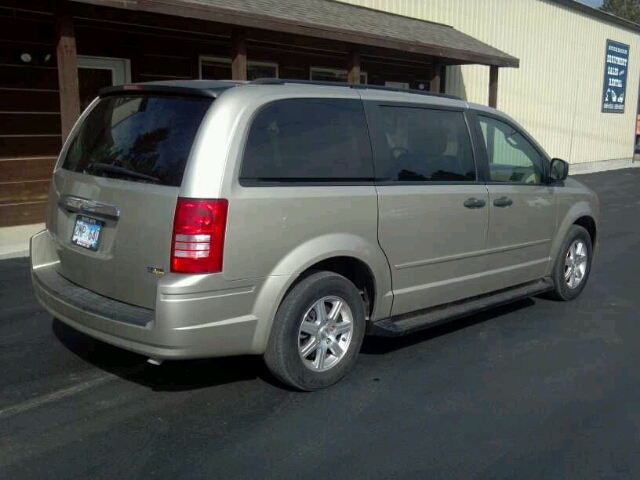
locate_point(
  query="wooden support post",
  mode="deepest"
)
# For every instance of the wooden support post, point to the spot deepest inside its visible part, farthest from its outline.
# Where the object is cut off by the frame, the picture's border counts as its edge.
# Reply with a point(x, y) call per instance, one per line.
point(238, 55)
point(493, 86)
point(434, 84)
point(443, 79)
point(67, 69)
point(353, 68)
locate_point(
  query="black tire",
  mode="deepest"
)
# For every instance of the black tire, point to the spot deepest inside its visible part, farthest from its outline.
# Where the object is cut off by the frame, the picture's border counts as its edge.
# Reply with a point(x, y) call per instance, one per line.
point(283, 357)
point(561, 290)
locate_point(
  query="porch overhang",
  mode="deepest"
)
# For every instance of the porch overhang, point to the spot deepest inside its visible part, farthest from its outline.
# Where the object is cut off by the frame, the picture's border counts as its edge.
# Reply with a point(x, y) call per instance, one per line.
point(331, 20)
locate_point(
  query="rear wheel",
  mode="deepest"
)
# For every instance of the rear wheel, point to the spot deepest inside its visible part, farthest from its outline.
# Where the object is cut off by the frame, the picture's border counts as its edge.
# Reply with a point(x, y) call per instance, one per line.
point(573, 265)
point(317, 332)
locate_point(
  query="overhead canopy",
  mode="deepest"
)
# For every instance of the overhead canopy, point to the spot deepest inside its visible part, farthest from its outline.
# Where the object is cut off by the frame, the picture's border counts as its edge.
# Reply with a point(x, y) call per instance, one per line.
point(333, 20)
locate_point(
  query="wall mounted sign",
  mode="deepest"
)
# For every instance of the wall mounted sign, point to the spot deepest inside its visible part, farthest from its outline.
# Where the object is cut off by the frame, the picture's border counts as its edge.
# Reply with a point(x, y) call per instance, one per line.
point(615, 77)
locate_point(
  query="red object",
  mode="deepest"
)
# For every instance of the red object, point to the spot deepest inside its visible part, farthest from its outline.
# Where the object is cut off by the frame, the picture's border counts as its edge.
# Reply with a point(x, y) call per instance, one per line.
point(199, 228)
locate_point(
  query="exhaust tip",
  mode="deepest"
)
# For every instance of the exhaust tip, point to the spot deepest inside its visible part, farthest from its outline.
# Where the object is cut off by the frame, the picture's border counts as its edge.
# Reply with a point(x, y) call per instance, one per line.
point(155, 361)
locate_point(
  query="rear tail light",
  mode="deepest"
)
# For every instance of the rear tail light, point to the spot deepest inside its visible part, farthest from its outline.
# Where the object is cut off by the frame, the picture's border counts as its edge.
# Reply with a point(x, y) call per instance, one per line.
point(198, 235)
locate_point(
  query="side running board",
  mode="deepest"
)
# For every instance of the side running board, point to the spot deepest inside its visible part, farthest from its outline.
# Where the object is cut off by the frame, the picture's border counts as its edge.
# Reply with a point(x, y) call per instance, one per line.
point(405, 324)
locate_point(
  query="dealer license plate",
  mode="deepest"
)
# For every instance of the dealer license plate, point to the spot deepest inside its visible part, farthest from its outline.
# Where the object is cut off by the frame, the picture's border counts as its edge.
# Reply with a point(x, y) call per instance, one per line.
point(86, 233)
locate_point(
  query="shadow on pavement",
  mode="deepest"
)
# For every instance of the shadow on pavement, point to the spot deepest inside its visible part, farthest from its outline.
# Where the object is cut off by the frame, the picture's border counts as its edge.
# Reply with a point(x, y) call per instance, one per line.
point(171, 375)
point(186, 375)
point(382, 346)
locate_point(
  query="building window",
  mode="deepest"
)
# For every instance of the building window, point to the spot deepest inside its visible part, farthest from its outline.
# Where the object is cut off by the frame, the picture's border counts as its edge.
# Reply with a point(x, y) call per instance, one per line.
point(402, 85)
point(330, 75)
point(213, 68)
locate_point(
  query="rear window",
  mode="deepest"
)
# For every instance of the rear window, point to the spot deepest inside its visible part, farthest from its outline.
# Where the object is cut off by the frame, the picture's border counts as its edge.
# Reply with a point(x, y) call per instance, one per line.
point(308, 140)
point(137, 137)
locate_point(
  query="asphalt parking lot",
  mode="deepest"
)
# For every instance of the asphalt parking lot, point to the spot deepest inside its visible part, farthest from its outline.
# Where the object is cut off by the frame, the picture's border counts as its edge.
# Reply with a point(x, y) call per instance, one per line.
point(537, 389)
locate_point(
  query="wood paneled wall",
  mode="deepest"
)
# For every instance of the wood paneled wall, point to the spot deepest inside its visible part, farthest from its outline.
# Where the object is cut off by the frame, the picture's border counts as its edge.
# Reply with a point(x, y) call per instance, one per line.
point(159, 48)
point(29, 115)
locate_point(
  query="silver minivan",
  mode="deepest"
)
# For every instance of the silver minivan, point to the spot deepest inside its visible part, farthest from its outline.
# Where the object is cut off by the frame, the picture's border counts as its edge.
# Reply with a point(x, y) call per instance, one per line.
point(287, 219)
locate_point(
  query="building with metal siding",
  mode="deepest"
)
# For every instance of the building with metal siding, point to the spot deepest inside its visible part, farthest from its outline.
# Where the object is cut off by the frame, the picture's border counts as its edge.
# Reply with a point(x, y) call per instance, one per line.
point(557, 91)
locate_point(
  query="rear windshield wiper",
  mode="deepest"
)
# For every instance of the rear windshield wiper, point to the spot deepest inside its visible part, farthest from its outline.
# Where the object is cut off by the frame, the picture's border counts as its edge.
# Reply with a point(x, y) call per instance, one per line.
point(105, 167)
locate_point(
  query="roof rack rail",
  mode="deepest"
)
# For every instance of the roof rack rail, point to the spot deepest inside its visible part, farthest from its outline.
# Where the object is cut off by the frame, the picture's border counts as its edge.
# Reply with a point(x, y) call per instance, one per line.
point(408, 90)
point(286, 81)
point(283, 81)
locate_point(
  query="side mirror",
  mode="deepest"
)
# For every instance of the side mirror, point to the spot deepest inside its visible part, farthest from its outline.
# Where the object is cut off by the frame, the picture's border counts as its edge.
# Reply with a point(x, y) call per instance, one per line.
point(559, 170)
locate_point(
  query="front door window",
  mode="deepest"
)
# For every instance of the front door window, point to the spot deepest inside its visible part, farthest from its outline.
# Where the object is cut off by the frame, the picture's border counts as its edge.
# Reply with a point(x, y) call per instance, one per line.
point(511, 157)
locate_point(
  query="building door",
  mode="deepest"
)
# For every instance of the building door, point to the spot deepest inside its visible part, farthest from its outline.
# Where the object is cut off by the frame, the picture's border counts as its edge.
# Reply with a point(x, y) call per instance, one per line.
point(95, 73)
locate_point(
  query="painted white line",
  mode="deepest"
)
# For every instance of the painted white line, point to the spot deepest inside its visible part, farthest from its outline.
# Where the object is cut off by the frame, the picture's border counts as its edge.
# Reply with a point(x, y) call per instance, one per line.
point(52, 397)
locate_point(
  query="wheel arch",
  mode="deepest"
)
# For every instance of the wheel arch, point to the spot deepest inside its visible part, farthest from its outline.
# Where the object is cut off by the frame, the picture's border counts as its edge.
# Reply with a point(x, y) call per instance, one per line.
point(354, 270)
point(589, 224)
point(579, 214)
point(364, 264)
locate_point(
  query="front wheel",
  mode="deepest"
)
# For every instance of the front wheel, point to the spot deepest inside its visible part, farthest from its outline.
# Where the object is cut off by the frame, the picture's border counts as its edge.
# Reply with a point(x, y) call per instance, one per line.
point(317, 332)
point(573, 265)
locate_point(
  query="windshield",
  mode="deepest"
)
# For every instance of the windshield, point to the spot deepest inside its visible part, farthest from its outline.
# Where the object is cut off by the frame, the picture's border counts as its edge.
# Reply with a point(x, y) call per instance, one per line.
point(137, 137)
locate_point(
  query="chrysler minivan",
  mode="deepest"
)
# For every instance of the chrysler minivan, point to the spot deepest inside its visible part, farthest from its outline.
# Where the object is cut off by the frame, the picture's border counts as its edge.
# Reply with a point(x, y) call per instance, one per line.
point(288, 219)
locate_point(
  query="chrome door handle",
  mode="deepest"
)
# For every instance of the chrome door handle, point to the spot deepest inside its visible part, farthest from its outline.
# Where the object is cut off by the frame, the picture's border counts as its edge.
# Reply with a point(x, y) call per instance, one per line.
point(74, 204)
point(474, 203)
point(502, 202)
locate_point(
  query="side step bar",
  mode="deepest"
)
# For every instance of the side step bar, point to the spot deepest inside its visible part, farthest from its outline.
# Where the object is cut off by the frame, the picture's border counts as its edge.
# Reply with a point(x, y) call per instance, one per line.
point(409, 323)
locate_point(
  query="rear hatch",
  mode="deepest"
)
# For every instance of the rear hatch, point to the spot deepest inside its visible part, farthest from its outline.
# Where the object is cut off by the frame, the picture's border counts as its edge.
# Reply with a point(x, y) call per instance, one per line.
point(113, 200)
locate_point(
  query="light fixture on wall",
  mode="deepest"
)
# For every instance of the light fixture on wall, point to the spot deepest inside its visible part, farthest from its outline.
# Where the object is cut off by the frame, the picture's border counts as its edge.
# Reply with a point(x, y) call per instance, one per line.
point(38, 57)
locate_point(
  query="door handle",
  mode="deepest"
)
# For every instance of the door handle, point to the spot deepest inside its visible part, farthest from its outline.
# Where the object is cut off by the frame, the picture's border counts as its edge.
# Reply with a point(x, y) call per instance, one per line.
point(474, 203)
point(502, 202)
point(74, 204)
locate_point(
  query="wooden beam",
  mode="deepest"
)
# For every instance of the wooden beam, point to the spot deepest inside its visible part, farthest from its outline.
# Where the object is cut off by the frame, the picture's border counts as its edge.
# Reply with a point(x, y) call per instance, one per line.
point(443, 79)
point(493, 86)
point(353, 68)
point(238, 55)
point(28, 147)
point(67, 69)
point(434, 83)
point(24, 192)
point(22, 214)
point(23, 170)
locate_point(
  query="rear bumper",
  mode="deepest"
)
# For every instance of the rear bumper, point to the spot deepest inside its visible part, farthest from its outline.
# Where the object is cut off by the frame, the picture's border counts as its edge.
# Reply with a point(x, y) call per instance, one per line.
point(182, 326)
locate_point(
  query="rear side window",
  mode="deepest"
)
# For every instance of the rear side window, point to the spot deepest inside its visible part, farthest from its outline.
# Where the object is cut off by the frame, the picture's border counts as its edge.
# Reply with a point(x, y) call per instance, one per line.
point(416, 144)
point(138, 138)
point(308, 140)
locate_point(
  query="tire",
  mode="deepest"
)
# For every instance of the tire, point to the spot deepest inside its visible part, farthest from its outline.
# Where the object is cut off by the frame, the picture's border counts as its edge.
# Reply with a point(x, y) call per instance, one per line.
point(562, 290)
point(300, 334)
